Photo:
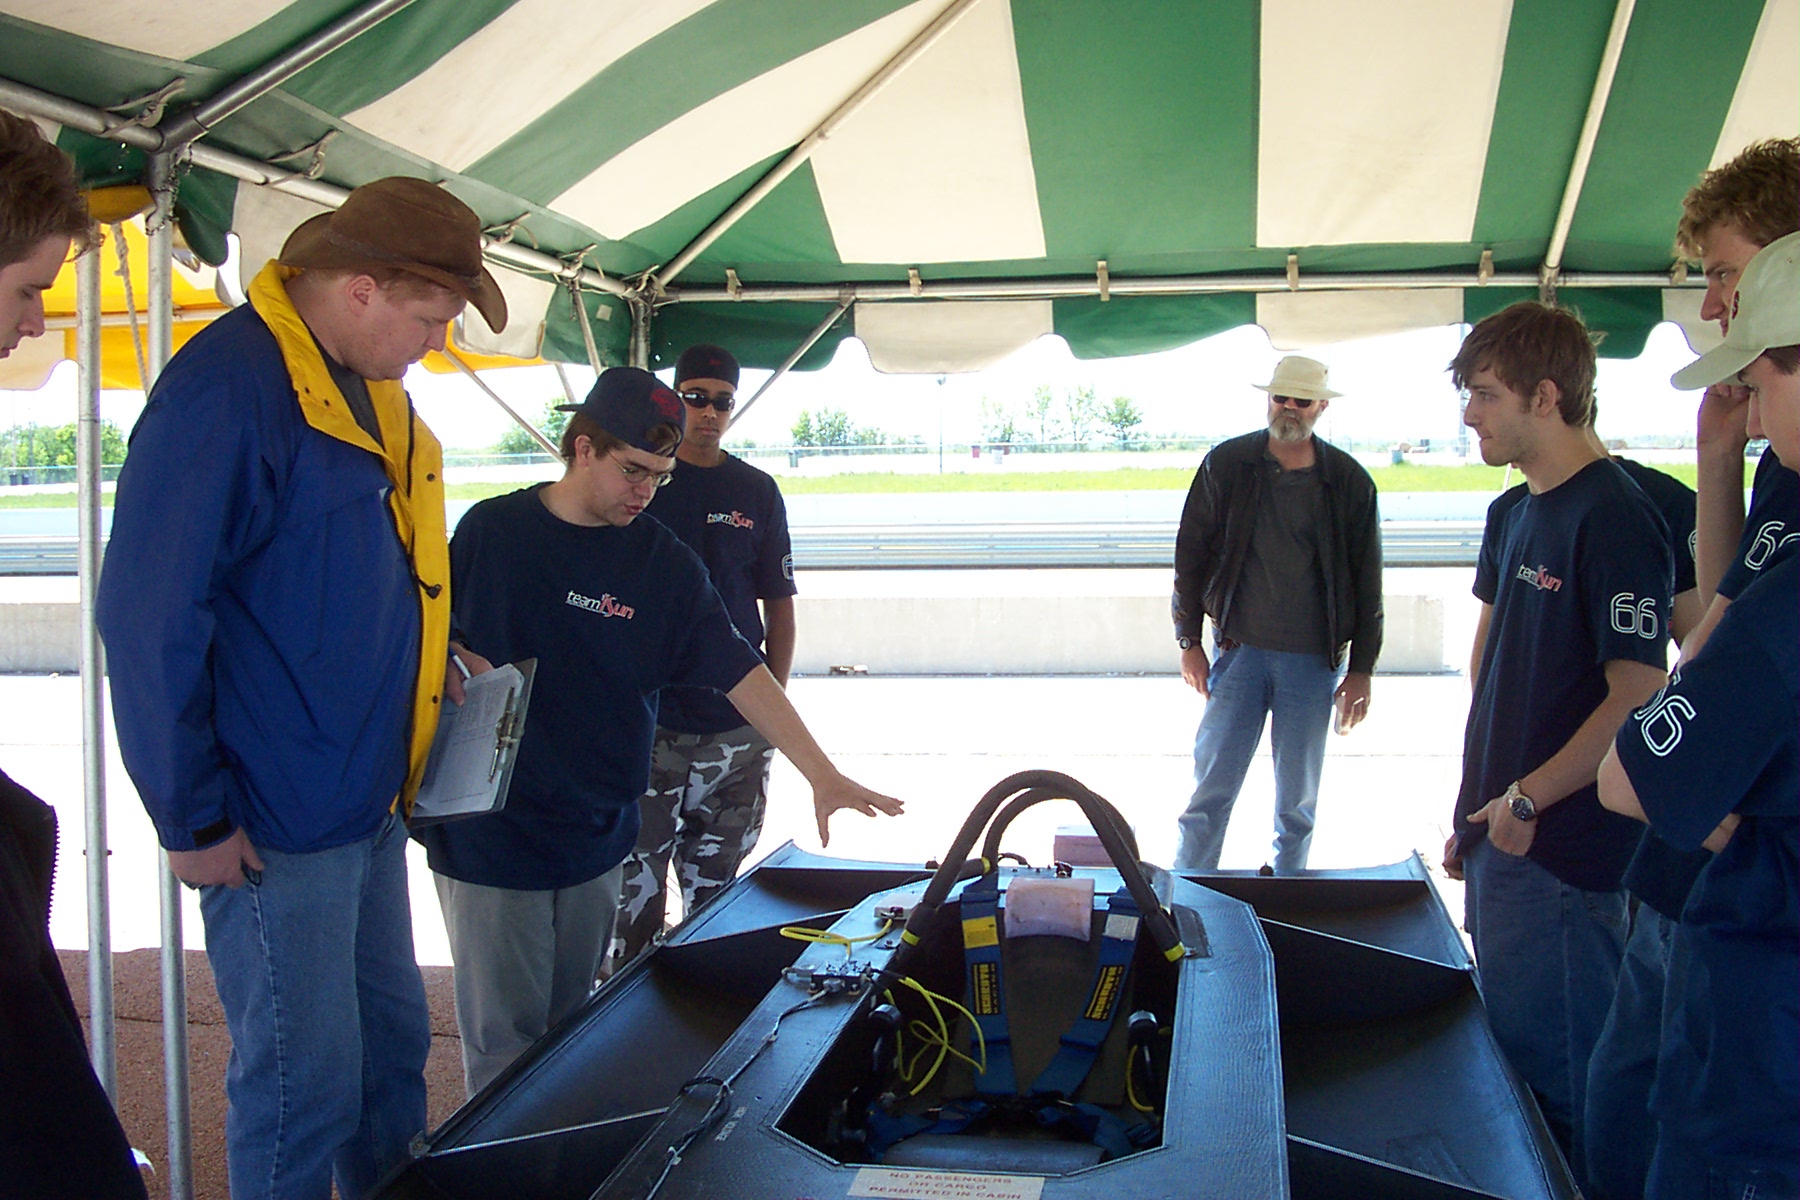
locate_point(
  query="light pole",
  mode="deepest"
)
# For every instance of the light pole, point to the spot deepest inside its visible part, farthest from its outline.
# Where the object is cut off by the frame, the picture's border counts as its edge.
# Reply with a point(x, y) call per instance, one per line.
point(942, 380)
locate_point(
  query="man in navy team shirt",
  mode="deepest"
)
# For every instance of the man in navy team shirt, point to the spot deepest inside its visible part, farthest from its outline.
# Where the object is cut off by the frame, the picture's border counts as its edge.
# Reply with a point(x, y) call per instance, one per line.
point(1733, 212)
point(614, 609)
point(1575, 588)
point(709, 774)
point(1714, 761)
point(1726, 219)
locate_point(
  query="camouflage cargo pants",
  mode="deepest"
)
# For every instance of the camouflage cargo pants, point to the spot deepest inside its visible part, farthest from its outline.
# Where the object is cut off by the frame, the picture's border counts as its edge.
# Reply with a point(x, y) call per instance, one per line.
point(703, 811)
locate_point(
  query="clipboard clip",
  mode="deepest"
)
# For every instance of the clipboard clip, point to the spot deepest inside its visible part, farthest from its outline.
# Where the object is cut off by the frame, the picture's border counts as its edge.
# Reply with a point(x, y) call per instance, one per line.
point(506, 732)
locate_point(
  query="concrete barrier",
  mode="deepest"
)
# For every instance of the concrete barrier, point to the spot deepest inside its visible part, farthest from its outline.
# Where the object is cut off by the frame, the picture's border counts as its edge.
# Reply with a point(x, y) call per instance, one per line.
point(1025, 634)
point(40, 626)
point(1057, 622)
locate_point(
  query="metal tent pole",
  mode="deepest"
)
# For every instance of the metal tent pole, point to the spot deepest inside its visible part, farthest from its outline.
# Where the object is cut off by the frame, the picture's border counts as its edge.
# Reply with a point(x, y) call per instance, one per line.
point(183, 127)
point(928, 37)
point(536, 434)
point(25, 99)
point(638, 354)
point(1584, 147)
point(1161, 285)
point(102, 1040)
point(160, 226)
point(787, 365)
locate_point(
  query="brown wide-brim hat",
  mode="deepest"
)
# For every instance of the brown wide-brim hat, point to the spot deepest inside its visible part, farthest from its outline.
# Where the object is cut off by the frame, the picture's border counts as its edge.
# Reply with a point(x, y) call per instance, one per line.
point(405, 224)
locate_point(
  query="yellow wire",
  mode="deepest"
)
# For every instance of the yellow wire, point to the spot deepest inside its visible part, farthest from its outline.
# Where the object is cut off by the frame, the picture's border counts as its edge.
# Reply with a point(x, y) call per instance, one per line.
point(941, 1036)
point(801, 933)
point(1131, 1087)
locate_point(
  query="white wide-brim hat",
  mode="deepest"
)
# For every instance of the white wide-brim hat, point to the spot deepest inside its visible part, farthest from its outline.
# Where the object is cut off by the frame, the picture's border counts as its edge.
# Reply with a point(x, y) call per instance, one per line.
point(1301, 378)
point(1765, 312)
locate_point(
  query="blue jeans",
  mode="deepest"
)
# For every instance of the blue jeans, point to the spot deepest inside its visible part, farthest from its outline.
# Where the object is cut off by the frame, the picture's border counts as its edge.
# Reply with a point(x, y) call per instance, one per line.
point(1619, 1134)
point(1547, 956)
point(329, 1031)
point(1248, 686)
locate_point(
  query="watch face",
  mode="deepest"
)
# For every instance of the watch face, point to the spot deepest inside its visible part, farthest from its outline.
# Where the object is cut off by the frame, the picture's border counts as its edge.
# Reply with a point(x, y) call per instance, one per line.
point(1523, 808)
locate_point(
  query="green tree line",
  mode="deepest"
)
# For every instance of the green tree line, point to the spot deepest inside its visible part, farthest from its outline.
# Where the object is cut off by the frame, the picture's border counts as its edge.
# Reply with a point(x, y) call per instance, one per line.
point(54, 445)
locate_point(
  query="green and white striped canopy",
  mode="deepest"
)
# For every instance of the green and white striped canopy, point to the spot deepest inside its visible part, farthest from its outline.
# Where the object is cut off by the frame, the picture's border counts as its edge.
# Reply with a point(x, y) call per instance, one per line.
point(1128, 174)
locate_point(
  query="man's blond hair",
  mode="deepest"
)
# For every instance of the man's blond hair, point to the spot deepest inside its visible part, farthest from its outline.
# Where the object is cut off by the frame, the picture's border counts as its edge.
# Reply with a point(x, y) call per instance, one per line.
point(1757, 193)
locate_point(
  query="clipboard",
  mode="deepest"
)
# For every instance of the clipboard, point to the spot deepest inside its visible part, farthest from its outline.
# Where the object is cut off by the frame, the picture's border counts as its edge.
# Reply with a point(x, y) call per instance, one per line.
point(477, 743)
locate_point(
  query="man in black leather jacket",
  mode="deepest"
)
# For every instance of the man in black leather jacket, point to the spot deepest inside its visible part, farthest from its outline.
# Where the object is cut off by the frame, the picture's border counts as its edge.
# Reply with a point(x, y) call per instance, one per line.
point(1280, 545)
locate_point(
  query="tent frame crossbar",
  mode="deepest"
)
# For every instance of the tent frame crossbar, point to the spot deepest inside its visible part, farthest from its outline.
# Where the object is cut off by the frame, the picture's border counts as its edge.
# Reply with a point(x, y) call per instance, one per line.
point(1152, 285)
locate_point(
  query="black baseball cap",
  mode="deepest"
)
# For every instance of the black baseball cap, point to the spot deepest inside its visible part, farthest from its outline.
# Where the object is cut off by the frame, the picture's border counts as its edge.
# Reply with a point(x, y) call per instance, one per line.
point(629, 403)
point(706, 362)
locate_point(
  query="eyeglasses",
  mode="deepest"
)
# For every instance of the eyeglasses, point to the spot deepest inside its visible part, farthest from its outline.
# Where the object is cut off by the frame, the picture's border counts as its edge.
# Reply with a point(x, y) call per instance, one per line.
point(1300, 402)
point(636, 476)
point(702, 400)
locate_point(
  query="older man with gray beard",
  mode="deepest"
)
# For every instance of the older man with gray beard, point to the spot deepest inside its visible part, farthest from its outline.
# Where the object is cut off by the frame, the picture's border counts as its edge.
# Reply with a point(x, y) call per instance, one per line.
point(1280, 545)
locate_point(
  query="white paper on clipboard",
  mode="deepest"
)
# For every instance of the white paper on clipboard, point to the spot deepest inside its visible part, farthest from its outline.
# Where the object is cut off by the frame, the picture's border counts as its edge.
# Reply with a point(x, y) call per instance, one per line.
point(472, 756)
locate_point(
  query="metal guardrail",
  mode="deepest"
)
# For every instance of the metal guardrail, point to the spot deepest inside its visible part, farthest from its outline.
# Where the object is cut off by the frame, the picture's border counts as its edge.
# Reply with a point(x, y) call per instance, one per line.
point(918, 547)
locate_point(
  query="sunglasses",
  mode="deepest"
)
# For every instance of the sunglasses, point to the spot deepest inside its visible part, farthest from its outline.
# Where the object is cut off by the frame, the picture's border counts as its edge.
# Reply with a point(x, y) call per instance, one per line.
point(702, 400)
point(1300, 402)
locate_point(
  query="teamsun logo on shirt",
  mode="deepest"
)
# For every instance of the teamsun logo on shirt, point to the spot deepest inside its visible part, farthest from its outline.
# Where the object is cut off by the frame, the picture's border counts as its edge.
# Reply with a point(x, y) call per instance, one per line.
point(606, 606)
point(735, 519)
point(1541, 579)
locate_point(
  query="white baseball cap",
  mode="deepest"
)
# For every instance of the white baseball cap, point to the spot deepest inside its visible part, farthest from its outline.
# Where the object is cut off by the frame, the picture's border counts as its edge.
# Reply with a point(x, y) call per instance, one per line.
point(1765, 312)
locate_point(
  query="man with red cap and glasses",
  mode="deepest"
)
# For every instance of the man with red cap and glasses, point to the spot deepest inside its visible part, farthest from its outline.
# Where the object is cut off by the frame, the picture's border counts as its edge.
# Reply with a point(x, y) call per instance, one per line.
point(709, 775)
point(614, 609)
point(276, 610)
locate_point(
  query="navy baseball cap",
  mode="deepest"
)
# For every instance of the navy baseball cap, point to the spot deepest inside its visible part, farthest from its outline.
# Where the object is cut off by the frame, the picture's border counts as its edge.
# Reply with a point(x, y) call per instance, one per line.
point(629, 403)
point(706, 362)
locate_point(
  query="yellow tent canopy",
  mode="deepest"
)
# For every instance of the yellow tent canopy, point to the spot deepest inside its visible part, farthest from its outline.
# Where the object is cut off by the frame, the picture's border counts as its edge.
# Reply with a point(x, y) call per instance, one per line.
point(197, 300)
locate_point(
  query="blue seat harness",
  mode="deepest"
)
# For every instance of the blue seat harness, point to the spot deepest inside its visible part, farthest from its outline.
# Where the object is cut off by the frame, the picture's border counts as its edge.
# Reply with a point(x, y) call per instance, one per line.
point(1050, 1099)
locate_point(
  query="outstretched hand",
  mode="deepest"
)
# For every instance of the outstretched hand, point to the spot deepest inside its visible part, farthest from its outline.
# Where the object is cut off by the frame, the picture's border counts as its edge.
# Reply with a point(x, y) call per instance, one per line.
point(844, 792)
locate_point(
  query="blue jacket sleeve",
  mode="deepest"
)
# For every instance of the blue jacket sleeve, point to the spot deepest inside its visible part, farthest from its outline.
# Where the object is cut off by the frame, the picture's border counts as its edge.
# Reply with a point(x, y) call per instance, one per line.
point(195, 497)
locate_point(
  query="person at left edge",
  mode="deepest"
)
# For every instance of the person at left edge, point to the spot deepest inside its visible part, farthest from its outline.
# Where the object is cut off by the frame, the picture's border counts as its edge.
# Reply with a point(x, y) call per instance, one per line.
point(614, 609)
point(275, 605)
point(59, 1136)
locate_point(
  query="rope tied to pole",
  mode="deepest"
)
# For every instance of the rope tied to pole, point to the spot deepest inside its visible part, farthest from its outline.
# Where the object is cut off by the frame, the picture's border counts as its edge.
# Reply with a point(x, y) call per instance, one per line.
point(137, 332)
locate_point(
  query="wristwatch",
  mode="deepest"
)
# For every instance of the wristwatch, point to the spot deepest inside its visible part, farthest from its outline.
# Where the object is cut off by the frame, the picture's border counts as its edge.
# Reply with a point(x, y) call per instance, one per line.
point(1186, 643)
point(1522, 806)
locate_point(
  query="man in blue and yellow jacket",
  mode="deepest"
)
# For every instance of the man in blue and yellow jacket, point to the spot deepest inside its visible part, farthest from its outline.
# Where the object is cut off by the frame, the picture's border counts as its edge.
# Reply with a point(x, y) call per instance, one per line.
point(276, 609)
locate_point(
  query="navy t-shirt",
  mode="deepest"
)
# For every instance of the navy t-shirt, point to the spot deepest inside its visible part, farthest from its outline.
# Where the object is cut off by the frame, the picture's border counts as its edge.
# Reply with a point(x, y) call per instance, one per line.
point(1773, 521)
point(1659, 874)
point(1672, 499)
point(612, 614)
point(1674, 502)
point(733, 517)
point(1579, 576)
point(1722, 737)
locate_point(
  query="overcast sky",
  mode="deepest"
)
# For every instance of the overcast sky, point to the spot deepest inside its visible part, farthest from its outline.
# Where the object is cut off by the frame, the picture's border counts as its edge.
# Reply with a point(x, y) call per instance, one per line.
point(1395, 388)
